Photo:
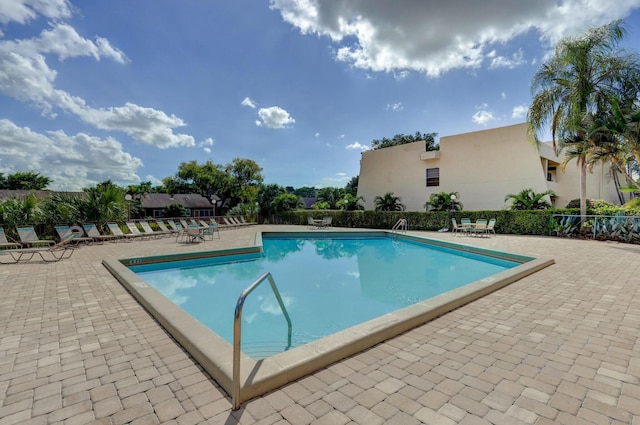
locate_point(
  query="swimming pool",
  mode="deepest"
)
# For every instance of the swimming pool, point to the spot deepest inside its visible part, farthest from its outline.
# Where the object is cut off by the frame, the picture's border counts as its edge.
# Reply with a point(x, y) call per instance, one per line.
point(215, 354)
point(327, 284)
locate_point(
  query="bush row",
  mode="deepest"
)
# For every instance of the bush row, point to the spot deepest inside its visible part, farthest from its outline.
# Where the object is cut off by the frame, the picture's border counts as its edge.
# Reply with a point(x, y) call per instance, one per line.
point(534, 222)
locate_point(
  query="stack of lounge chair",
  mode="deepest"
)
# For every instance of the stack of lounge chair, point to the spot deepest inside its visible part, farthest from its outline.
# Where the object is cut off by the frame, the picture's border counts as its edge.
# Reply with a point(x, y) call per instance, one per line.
point(27, 244)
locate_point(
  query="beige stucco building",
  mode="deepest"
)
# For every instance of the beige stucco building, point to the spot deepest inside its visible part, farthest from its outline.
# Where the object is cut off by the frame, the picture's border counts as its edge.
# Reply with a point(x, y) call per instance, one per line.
point(482, 166)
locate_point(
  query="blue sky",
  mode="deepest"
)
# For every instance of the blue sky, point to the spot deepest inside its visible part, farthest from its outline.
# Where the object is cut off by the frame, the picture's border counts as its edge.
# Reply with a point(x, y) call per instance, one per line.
point(127, 90)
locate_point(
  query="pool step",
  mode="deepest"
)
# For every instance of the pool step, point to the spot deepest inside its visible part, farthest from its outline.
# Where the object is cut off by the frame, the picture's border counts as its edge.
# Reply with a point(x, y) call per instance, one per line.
point(261, 349)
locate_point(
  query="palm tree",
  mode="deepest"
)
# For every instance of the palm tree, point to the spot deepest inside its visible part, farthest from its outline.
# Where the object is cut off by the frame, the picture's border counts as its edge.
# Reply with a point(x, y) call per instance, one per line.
point(578, 80)
point(105, 202)
point(388, 202)
point(287, 202)
point(350, 202)
point(18, 211)
point(616, 139)
point(444, 201)
point(527, 199)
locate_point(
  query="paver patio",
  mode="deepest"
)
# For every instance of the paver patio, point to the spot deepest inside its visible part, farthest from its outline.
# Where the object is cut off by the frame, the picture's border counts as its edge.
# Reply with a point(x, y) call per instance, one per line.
point(559, 346)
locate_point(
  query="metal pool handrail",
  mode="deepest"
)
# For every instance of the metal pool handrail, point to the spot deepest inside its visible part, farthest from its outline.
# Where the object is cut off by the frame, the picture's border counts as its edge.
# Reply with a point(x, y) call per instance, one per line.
point(235, 391)
point(401, 225)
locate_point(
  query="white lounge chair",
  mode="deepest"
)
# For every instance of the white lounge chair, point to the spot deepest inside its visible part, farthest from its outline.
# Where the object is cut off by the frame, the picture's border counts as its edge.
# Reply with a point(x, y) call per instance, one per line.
point(49, 254)
point(146, 227)
point(5, 243)
point(93, 232)
point(74, 234)
point(29, 237)
point(114, 228)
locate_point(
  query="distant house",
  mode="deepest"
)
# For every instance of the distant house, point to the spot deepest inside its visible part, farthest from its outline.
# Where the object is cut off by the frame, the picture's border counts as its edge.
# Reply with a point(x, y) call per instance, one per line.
point(39, 194)
point(308, 202)
point(482, 166)
point(195, 204)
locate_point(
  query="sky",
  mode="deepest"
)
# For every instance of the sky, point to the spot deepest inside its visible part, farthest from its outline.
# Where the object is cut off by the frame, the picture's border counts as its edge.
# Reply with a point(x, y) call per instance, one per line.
point(126, 91)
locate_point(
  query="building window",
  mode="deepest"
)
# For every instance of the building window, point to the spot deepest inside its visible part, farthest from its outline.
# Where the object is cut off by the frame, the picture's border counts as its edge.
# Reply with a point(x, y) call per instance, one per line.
point(433, 177)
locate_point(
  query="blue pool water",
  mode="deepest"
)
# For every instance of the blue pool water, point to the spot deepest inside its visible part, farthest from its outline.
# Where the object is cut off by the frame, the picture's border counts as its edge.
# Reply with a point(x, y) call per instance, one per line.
point(327, 284)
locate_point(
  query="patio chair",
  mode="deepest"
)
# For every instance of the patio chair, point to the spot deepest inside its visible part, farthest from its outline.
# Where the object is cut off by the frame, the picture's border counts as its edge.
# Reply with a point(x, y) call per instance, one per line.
point(311, 223)
point(194, 233)
point(455, 228)
point(467, 226)
point(114, 228)
point(209, 229)
point(479, 227)
point(49, 254)
point(490, 227)
point(327, 222)
point(75, 234)
point(5, 243)
point(92, 231)
point(146, 227)
point(29, 237)
point(177, 229)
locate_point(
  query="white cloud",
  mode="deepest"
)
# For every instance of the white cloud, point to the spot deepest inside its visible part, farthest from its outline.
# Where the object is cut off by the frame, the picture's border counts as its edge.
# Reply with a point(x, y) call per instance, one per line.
point(205, 144)
point(72, 162)
point(483, 117)
point(22, 11)
point(274, 117)
point(154, 180)
point(26, 76)
point(520, 111)
point(357, 146)
point(516, 60)
point(247, 101)
point(434, 37)
point(317, 135)
point(340, 179)
point(396, 107)
point(148, 126)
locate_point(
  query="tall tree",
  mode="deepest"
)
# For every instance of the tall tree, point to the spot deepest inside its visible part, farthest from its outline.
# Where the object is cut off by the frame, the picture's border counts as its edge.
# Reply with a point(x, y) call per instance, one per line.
point(287, 202)
point(616, 137)
point(206, 179)
point(24, 181)
point(266, 195)
point(577, 81)
point(402, 139)
point(352, 185)
point(330, 195)
point(245, 178)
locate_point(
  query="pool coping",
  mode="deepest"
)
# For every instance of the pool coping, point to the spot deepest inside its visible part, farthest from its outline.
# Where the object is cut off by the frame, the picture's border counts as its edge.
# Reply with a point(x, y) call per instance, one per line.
point(258, 377)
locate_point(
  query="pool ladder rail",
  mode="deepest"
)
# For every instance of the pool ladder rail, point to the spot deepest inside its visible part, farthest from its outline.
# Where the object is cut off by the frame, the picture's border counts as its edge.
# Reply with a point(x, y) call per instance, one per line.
point(400, 226)
point(237, 330)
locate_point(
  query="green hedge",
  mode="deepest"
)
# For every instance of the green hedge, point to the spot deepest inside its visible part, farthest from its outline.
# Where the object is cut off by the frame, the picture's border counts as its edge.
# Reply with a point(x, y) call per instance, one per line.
point(538, 222)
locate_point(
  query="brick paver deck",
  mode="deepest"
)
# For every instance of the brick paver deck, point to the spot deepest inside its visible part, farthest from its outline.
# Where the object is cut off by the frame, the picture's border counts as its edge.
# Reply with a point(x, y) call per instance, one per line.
point(556, 347)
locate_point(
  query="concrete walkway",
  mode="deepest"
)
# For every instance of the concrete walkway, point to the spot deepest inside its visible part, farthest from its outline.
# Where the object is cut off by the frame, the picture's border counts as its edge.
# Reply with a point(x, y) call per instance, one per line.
point(556, 347)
